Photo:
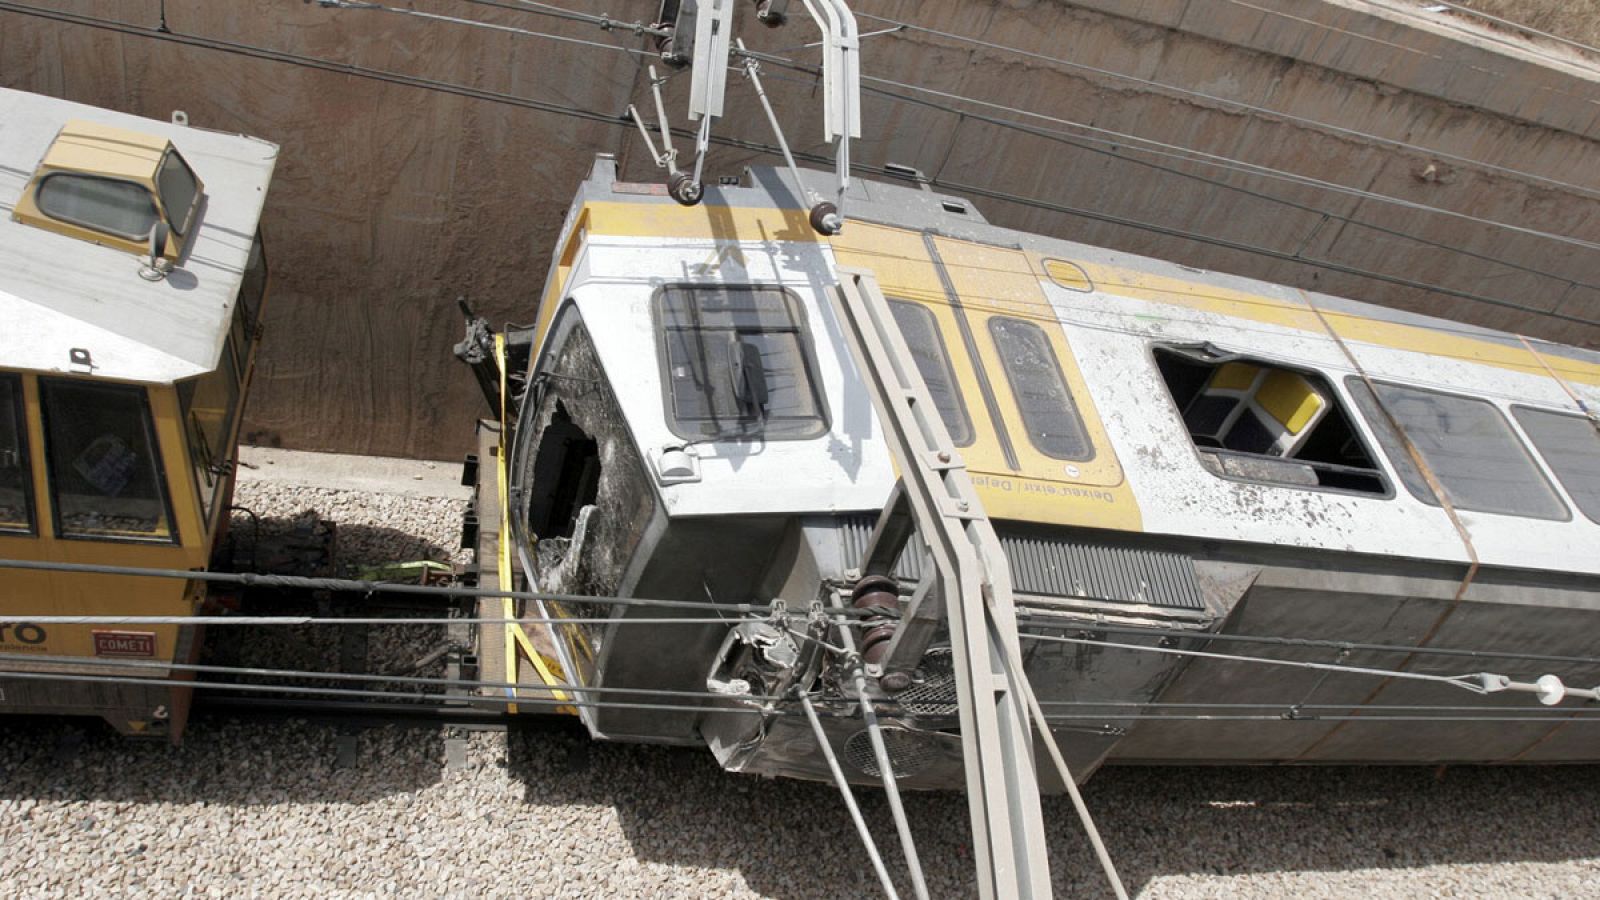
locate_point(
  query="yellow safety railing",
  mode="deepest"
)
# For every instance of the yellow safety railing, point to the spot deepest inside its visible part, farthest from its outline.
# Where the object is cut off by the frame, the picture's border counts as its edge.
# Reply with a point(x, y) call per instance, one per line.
point(515, 637)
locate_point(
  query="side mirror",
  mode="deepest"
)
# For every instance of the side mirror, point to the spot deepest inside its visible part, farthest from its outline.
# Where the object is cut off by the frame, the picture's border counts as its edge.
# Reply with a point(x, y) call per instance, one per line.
point(156, 268)
point(158, 241)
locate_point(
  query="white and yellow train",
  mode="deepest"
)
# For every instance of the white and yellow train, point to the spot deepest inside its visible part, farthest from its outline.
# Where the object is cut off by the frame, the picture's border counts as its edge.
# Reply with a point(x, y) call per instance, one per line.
point(1167, 453)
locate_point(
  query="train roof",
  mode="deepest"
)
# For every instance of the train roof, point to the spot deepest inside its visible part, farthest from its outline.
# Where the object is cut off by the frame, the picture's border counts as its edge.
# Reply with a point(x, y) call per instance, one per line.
point(913, 205)
point(58, 293)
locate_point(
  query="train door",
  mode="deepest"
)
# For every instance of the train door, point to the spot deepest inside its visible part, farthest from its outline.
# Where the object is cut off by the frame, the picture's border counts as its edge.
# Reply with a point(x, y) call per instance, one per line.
point(113, 461)
point(998, 365)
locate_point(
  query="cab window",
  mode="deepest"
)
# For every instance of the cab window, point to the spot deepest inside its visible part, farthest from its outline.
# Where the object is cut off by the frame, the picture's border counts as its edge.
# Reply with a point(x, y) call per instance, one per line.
point(1468, 445)
point(927, 347)
point(104, 468)
point(1034, 373)
point(116, 207)
point(178, 188)
point(252, 288)
point(1571, 445)
point(16, 480)
point(738, 363)
point(208, 404)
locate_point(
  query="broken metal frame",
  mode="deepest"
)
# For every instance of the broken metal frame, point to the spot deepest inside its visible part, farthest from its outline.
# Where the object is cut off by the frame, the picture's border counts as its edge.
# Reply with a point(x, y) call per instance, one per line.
point(972, 581)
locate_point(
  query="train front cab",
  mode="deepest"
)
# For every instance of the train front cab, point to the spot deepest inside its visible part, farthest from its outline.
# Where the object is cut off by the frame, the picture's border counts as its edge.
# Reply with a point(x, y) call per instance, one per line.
point(122, 474)
point(118, 425)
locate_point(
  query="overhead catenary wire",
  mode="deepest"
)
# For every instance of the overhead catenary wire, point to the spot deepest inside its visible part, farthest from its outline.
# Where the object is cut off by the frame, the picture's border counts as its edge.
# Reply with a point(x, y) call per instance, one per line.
point(1527, 30)
point(1476, 682)
point(605, 22)
point(621, 121)
point(1118, 139)
point(1164, 87)
point(897, 26)
point(161, 666)
point(423, 698)
point(250, 579)
point(1107, 709)
point(479, 23)
point(354, 693)
point(1309, 643)
point(1176, 151)
point(1114, 139)
point(862, 832)
point(1112, 147)
point(1162, 148)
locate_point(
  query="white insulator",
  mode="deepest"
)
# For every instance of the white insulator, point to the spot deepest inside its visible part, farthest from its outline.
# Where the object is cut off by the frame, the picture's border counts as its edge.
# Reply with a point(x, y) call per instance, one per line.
point(1551, 690)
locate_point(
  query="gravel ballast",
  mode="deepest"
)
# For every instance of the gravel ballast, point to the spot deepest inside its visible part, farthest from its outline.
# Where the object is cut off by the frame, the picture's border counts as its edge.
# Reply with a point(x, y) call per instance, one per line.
point(260, 807)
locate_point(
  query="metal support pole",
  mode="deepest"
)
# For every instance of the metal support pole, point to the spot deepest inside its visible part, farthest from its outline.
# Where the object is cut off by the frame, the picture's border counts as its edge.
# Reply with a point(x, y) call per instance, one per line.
point(975, 585)
point(849, 799)
point(880, 752)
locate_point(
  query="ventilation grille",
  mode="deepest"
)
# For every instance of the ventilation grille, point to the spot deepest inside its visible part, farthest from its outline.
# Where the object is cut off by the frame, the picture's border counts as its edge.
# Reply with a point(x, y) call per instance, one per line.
point(1054, 567)
point(935, 694)
point(909, 751)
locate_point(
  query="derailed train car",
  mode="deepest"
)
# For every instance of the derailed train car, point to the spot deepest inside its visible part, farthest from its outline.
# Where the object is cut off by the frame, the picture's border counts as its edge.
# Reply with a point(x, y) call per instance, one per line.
point(1171, 457)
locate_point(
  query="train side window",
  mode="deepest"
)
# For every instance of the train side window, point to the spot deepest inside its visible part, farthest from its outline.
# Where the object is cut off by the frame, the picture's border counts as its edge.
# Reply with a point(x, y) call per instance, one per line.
point(1571, 445)
point(738, 364)
point(927, 347)
point(208, 404)
point(16, 473)
point(1254, 420)
point(252, 289)
point(1034, 373)
point(180, 190)
point(105, 471)
point(1467, 444)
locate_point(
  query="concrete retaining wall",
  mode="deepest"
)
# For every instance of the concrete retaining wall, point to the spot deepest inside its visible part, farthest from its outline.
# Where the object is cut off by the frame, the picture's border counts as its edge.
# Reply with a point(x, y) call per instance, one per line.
point(393, 200)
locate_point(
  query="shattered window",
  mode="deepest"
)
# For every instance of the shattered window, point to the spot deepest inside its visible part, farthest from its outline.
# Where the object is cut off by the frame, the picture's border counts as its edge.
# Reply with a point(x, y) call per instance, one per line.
point(1468, 445)
point(1040, 389)
point(1257, 420)
point(16, 480)
point(105, 473)
point(927, 347)
point(1571, 445)
point(738, 364)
